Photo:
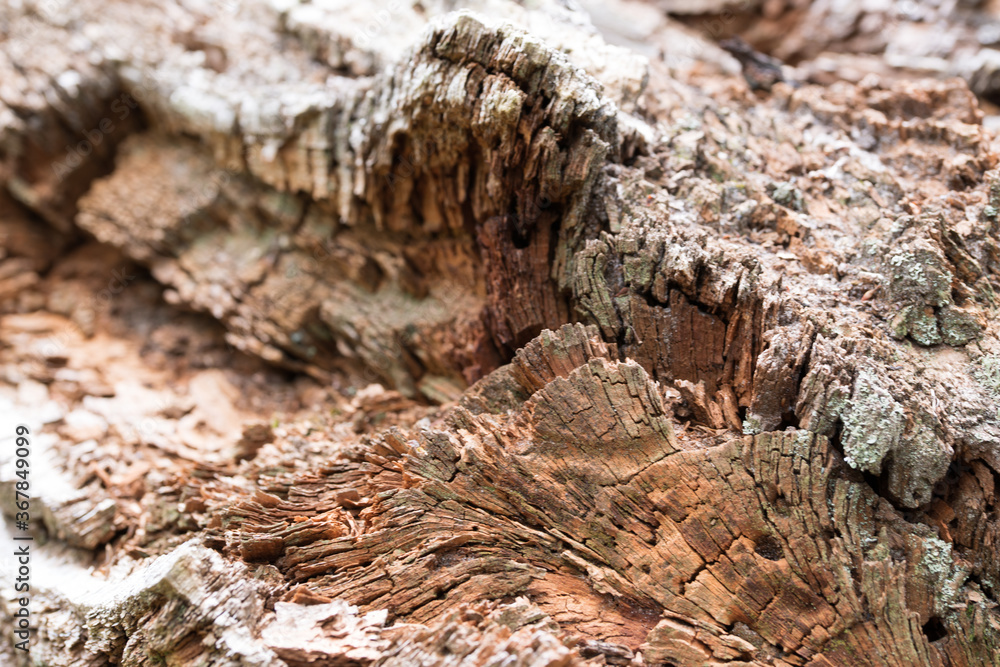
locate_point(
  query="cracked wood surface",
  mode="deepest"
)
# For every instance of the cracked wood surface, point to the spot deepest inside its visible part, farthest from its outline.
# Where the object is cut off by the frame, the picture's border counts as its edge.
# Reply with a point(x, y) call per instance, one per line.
point(718, 370)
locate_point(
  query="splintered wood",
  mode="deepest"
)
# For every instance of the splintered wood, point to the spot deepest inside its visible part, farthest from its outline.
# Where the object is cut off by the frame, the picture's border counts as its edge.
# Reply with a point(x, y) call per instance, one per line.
point(585, 358)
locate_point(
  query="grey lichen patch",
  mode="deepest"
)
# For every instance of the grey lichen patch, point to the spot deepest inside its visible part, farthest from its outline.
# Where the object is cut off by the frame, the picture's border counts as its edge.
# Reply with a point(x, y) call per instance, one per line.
point(921, 461)
point(959, 325)
point(918, 274)
point(919, 323)
point(920, 283)
point(499, 115)
point(880, 433)
point(940, 568)
point(640, 260)
point(899, 325)
point(733, 194)
point(751, 425)
point(788, 195)
point(924, 326)
point(987, 372)
point(873, 424)
point(506, 105)
point(595, 300)
point(992, 210)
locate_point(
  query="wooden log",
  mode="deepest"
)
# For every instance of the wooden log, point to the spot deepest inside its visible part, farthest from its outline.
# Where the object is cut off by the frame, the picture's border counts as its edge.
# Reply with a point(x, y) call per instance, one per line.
point(718, 369)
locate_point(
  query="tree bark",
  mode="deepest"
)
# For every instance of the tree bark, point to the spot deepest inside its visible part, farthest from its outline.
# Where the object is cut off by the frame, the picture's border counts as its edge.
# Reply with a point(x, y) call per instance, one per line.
point(715, 370)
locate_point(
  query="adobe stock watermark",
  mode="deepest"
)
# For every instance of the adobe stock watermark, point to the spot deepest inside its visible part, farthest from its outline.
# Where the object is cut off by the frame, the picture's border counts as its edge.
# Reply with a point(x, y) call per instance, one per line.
point(22, 502)
point(58, 342)
point(120, 279)
point(151, 423)
point(211, 187)
point(76, 154)
point(120, 109)
point(364, 35)
point(716, 27)
point(44, 13)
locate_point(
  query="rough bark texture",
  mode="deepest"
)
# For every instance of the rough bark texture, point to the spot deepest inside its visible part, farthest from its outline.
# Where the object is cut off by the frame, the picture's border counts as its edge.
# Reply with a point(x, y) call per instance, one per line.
point(598, 358)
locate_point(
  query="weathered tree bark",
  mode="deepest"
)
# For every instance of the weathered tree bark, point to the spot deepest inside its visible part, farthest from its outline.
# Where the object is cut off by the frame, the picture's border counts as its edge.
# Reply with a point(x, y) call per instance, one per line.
point(717, 370)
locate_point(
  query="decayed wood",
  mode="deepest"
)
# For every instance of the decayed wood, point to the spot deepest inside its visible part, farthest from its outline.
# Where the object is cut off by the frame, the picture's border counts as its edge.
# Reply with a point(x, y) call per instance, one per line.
point(378, 265)
point(587, 478)
point(719, 368)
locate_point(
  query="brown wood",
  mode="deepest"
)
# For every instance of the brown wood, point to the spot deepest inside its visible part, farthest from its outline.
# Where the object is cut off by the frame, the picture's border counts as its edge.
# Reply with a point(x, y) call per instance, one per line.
point(597, 360)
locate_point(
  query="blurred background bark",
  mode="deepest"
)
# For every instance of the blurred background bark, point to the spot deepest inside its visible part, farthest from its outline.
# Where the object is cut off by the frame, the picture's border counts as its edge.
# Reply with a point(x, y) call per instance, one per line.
point(434, 333)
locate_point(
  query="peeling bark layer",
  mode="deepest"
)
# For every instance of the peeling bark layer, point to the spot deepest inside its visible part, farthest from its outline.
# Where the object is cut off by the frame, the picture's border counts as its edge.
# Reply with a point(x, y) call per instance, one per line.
point(718, 370)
